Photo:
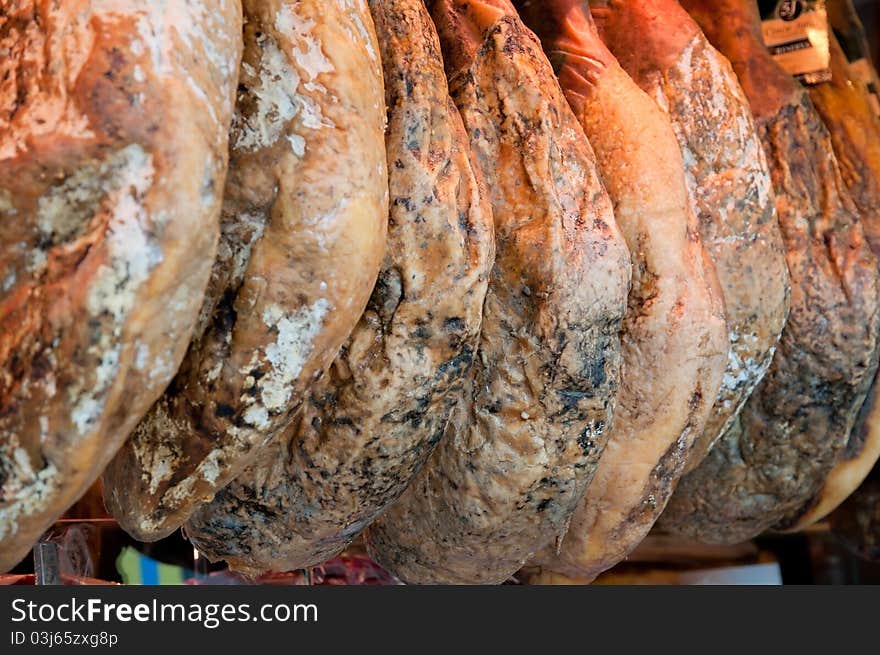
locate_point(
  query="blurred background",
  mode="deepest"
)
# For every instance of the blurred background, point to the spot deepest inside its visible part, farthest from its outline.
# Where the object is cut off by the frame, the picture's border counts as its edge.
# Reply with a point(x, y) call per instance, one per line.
point(870, 13)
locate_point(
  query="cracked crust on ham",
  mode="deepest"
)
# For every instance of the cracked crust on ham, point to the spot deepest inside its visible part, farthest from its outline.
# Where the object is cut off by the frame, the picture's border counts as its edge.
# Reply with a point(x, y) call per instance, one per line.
point(519, 453)
point(674, 339)
point(371, 424)
point(303, 236)
point(855, 135)
point(113, 152)
point(798, 421)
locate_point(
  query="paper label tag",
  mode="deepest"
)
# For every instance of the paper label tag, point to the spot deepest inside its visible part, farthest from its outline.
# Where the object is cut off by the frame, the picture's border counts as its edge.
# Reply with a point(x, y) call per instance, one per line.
point(796, 34)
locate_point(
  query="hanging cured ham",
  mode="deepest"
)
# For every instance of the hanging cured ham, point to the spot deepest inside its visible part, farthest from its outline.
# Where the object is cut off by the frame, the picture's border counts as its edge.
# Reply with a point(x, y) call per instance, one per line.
point(674, 342)
point(522, 448)
point(797, 423)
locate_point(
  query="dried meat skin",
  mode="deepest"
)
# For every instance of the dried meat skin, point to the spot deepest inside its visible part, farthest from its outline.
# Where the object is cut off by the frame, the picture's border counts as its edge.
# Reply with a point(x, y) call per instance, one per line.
point(798, 421)
point(674, 342)
point(113, 123)
point(728, 177)
point(373, 421)
point(104, 282)
point(306, 191)
point(521, 450)
point(846, 111)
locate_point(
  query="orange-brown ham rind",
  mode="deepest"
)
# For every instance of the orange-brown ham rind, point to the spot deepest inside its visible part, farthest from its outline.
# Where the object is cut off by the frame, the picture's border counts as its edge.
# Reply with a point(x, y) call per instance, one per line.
point(303, 235)
point(113, 153)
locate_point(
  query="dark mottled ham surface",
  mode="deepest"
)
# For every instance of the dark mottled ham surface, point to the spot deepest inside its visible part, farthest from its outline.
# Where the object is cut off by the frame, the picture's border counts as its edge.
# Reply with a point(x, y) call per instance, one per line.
point(369, 426)
point(797, 423)
point(674, 341)
point(516, 460)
